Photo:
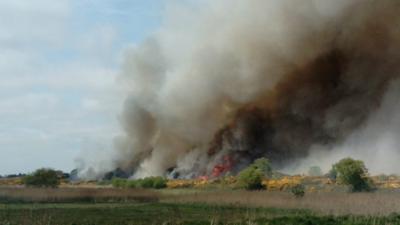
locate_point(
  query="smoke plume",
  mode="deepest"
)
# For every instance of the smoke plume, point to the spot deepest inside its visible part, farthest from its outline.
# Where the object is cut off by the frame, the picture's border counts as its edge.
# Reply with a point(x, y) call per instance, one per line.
point(299, 82)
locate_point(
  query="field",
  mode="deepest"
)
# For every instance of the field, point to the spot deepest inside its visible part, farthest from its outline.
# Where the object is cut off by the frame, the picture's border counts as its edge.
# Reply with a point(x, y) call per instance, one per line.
point(90, 206)
point(167, 213)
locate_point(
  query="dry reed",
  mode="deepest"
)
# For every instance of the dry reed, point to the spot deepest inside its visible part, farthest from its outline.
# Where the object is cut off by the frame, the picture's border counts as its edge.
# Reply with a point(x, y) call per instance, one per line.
point(12, 194)
point(324, 203)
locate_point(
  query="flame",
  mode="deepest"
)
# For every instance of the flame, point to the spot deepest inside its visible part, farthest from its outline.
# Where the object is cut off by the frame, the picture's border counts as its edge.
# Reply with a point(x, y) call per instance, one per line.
point(224, 167)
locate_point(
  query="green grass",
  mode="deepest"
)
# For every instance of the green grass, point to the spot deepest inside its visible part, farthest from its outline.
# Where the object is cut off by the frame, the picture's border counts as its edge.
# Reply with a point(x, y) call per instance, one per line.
point(167, 213)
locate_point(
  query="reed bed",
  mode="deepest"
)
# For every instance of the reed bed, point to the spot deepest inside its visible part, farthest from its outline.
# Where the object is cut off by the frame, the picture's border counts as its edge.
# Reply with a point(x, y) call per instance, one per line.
point(65, 195)
point(327, 203)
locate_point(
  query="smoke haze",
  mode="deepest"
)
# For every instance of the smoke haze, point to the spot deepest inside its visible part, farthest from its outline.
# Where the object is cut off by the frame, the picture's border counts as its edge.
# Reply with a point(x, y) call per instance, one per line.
point(301, 83)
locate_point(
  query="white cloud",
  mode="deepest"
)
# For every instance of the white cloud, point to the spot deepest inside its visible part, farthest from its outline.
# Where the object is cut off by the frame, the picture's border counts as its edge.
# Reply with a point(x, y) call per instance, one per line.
point(29, 23)
point(57, 89)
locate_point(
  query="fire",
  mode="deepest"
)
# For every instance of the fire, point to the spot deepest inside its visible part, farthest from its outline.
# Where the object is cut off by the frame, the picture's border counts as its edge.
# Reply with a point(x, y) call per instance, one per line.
point(222, 168)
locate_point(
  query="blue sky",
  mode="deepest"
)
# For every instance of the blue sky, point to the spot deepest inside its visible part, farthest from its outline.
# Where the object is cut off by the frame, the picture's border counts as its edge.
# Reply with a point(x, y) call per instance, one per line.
point(58, 63)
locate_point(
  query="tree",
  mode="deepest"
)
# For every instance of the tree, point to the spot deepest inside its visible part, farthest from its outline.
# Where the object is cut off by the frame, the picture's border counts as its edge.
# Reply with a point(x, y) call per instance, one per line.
point(264, 165)
point(250, 178)
point(315, 171)
point(352, 172)
point(42, 178)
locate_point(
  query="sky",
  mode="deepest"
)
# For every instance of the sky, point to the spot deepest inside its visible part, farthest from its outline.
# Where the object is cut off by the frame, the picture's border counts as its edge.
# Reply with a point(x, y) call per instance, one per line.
point(59, 98)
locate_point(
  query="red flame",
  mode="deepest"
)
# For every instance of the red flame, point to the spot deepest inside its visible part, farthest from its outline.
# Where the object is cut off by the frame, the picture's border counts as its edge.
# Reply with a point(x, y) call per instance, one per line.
point(223, 167)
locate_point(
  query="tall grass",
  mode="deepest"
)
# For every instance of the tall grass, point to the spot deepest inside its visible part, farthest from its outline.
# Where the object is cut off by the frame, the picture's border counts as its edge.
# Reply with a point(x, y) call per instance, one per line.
point(64, 195)
point(329, 203)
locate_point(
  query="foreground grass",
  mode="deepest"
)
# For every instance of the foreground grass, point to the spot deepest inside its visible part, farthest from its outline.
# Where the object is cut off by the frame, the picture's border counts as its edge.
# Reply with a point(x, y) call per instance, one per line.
point(167, 213)
point(108, 206)
point(323, 203)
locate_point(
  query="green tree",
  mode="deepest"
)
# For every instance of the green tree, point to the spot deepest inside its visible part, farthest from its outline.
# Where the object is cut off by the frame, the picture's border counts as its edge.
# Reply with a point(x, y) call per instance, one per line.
point(264, 166)
point(42, 178)
point(315, 171)
point(352, 172)
point(250, 178)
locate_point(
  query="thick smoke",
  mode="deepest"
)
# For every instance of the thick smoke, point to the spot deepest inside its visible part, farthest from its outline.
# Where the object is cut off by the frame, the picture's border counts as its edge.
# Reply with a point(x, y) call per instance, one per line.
point(237, 80)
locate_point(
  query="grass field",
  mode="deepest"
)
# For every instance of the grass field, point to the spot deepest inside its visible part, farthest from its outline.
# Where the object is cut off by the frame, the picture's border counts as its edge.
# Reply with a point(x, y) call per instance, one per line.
point(167, 213)
point(107, 206)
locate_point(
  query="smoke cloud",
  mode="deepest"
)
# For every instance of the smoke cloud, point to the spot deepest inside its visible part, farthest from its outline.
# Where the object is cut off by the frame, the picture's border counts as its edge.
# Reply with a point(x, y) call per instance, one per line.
point(300, 83)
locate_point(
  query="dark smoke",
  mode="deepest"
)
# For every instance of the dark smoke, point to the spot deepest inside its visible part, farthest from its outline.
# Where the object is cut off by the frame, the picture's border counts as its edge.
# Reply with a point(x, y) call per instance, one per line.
point(238, 80)
point(324, 100)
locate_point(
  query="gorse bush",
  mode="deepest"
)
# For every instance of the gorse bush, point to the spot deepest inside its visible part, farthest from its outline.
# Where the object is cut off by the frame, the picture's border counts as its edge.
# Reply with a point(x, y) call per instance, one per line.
point(354, 173)
point(42, 178)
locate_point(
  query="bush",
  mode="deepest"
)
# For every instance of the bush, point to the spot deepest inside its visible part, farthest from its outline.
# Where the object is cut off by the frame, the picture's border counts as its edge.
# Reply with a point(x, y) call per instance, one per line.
point(159, 183)
point(131, 184)
point(298, 190)
point(264, 165)
point(42, 178)
point(152, 182)
point(315, 171)
point(354, 173)
point(146, 182)
point(250, 178)
point(119, 182)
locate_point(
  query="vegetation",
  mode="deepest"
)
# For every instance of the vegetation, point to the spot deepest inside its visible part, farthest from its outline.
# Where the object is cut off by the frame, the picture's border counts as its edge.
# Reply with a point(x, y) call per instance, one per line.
point(264, 165)
point(251, 177)
point(168, 213)
point(43, 178)
point(206, 201)
point(354, 173)
point(298, 190)
point(75, 195)
point(148, 182)
point(119, 182)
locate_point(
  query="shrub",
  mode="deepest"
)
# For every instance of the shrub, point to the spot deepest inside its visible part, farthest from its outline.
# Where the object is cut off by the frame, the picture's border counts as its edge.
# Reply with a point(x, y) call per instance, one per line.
point(119, 182)
point(148, 182)
point(250, 178)
point(42, 178)
point(354, 173)
point(159, 183)
point(315, 171)
point(264, 165)
point(131, 184)
point(298, 190)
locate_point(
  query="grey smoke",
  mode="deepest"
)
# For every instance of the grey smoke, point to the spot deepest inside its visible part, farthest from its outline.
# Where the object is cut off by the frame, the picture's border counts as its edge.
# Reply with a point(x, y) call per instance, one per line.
point(191, 78)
